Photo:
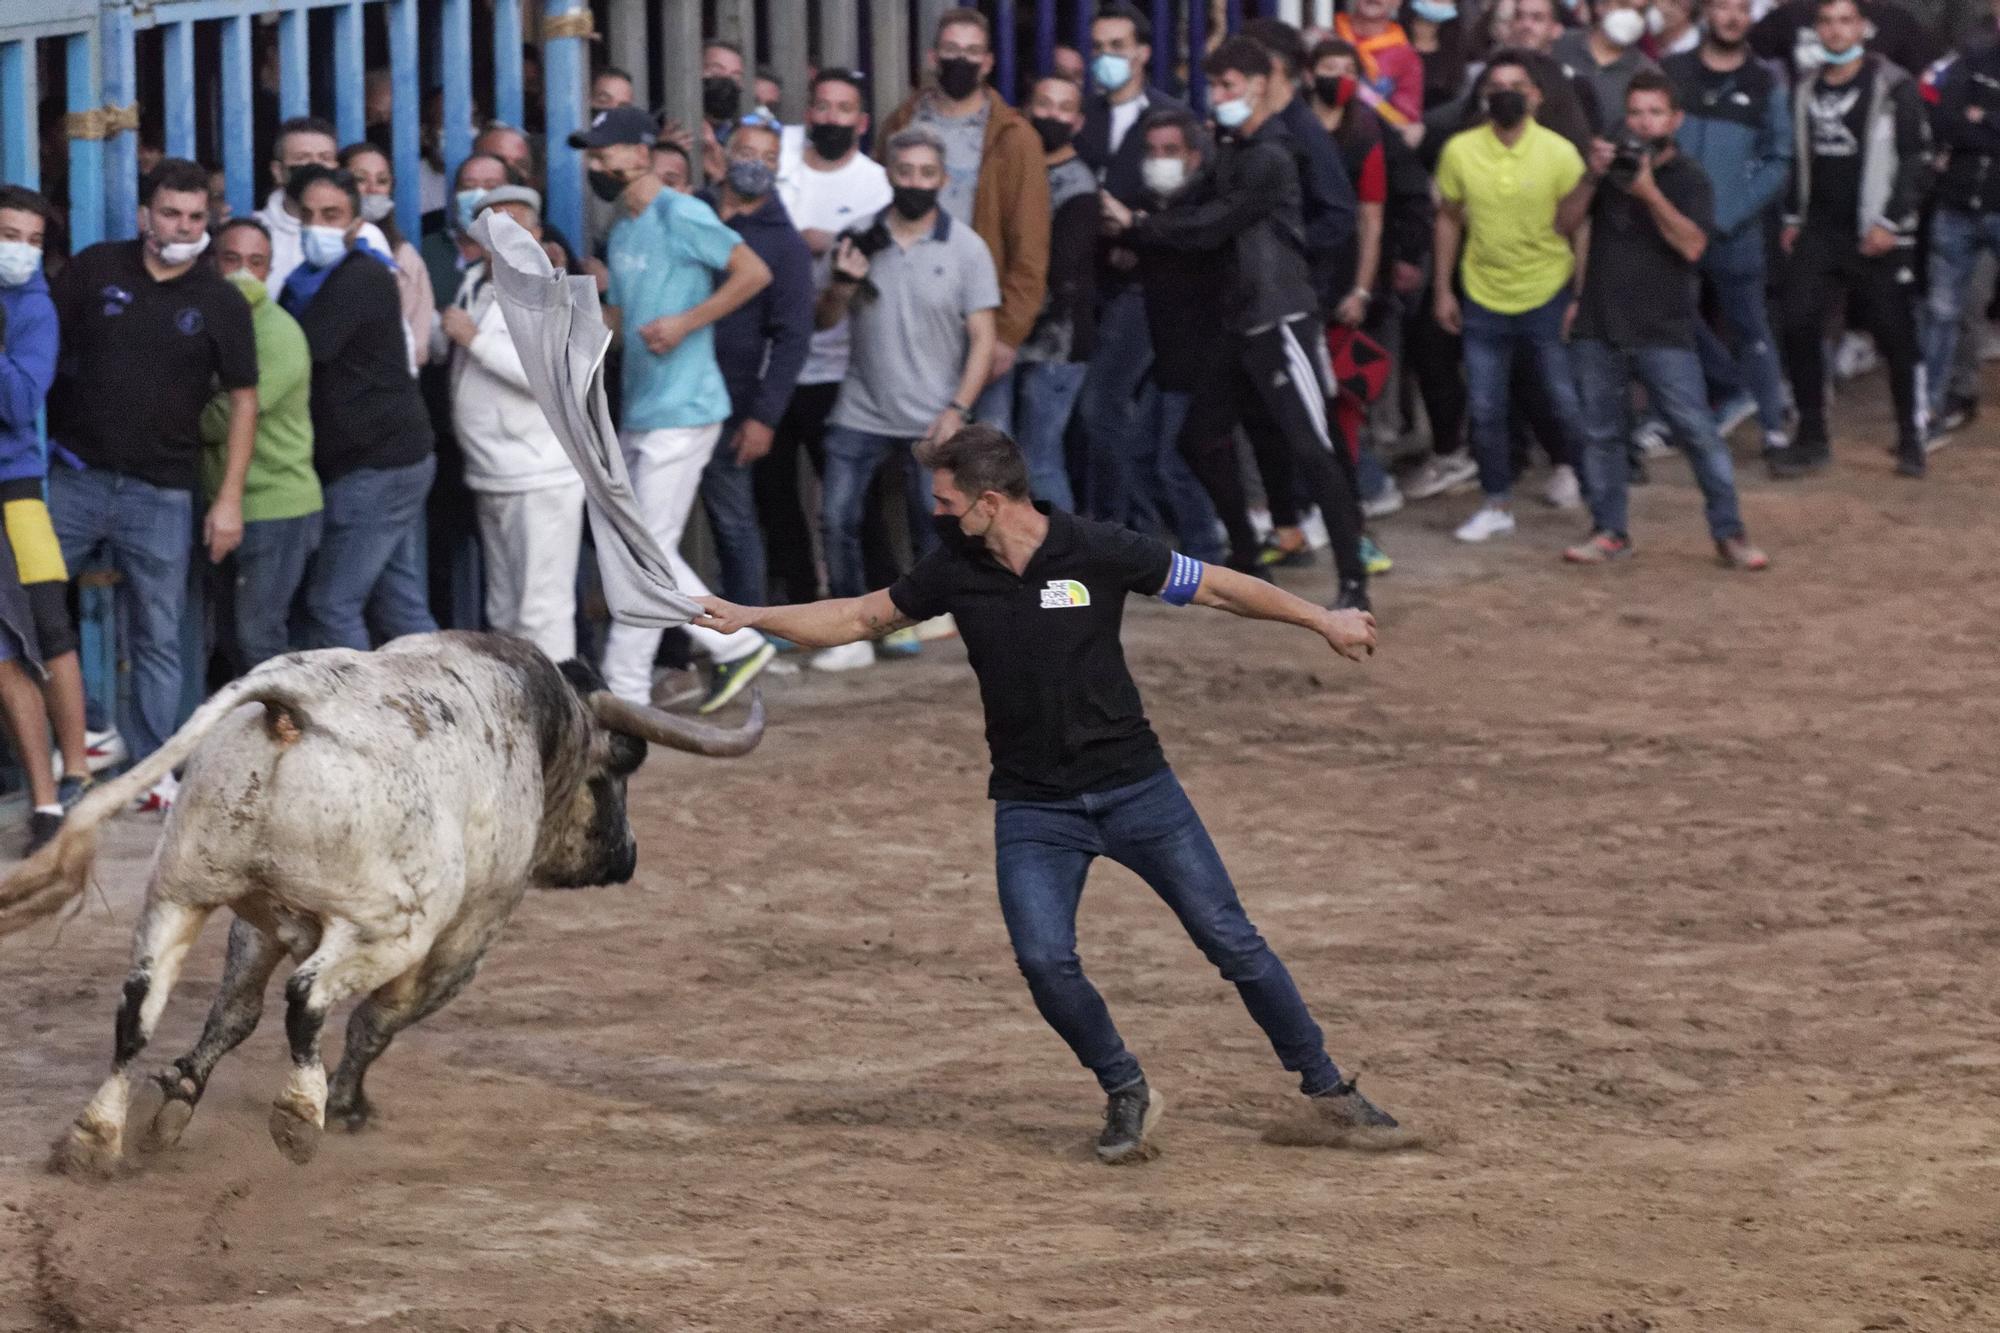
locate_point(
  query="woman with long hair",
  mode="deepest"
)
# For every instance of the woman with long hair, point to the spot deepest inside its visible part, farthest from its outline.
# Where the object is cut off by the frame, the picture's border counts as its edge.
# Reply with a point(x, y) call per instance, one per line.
point(1437, 32)
point(376, 180)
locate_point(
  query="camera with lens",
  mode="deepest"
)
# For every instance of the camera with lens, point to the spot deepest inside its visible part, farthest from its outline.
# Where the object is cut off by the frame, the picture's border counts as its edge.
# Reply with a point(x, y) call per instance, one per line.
point(1631, 154)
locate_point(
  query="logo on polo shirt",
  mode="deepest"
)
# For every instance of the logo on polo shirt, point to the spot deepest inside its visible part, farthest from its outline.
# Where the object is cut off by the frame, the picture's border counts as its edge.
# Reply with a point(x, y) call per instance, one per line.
point(188, 321)
point(1064, 592)
point(115, 300)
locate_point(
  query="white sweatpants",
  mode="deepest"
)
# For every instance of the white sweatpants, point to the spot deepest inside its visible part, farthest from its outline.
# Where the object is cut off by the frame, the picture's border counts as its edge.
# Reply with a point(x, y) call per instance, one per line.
point(530, 542)
point(665, 467)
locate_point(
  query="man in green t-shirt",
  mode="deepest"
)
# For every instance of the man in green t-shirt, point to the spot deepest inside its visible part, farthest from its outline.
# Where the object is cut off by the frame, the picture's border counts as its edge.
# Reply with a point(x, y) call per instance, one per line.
point(281, 496)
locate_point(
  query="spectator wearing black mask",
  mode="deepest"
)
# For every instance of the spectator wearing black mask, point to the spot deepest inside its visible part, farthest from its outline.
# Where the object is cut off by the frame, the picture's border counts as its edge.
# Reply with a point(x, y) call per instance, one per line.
point(1058, 348)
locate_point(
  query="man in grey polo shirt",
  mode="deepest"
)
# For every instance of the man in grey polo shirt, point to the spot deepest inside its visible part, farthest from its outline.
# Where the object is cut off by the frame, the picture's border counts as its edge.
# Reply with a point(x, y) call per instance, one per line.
point(921, 292)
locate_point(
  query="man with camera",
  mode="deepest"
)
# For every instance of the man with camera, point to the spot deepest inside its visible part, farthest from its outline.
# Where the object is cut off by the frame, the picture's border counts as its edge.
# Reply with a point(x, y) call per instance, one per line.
point(1649, 210)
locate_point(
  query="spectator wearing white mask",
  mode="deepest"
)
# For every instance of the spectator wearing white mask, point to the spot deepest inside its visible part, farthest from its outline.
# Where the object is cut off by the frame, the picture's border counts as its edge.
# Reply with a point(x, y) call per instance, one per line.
point(1607, 56)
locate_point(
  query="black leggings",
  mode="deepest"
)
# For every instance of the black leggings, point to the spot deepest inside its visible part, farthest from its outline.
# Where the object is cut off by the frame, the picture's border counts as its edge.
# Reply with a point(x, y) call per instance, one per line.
point(1881, 297)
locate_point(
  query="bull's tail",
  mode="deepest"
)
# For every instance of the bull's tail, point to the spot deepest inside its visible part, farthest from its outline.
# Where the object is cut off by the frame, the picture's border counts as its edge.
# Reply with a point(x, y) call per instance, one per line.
point(58, 873)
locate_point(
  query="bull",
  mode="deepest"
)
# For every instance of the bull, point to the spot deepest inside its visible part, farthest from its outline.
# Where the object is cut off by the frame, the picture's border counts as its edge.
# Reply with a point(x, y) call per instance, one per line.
point(374, 816)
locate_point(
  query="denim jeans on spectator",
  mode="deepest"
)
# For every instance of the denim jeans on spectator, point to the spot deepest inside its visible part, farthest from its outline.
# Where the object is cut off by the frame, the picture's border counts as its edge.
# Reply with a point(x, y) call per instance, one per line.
point(1048, 391)
point(729, 497)
point(1043, 851)
point(1110, 401)
point(852, 457)
point(1957, 238)
point(1734, 270)
point(268, 568)
point(1164, 481)
point(1676, 390)
point(995, 404)
point(1491, 341)
point(147, 533)
point(369, 570)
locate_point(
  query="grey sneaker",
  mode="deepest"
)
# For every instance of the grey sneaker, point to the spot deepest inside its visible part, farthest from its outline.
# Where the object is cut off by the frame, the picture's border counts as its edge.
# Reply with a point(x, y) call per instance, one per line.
point(1129, 1116)
point(1344, 1106)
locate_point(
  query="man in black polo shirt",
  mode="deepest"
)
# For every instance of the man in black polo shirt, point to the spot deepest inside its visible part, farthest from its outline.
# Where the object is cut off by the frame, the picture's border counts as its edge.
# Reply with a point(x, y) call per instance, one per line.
point(1077, 770)
point(147, 332)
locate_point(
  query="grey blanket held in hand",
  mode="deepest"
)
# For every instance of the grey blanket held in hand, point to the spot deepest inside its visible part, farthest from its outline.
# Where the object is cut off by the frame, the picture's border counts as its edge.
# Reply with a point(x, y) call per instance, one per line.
point(560, 334)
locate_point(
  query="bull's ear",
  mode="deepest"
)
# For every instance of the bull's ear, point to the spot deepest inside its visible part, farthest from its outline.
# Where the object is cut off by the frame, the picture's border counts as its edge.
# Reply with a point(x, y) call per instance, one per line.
point(581, 675)
point(626, 753)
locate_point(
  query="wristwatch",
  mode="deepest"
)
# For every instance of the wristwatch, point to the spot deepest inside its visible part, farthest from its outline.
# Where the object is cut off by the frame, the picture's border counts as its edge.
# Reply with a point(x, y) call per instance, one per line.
point(959, 408)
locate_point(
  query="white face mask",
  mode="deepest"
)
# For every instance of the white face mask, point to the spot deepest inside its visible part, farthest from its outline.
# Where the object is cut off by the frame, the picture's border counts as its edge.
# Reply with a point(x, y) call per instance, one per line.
point(19, 261)
point(183, 252)
point(375, 207)
point(1622, 27)
point(1656, 21)
point(1164, 175)
point(323, 245)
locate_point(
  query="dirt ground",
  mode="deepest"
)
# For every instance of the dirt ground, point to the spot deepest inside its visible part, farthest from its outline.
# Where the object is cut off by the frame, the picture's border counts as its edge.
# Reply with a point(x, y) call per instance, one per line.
point(1660, 897)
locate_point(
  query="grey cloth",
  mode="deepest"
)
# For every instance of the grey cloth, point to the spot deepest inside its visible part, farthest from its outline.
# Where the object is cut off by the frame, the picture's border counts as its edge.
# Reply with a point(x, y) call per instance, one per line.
point(560, 334)
point(1607, 82)
point(964, 148)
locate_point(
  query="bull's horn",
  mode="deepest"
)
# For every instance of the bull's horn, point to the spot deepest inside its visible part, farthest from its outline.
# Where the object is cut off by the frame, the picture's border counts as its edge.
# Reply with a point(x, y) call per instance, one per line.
point(678, 732)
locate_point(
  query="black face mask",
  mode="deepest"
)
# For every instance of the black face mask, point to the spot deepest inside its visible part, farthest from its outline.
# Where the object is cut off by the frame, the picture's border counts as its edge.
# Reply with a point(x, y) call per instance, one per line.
point(607, 185)
point(720, 98)
point(958, 77)
point(1055, 133)
point(1507, 106)
point(953, 537)
point(831, 141)
point(1333, 91)
point(913, 201)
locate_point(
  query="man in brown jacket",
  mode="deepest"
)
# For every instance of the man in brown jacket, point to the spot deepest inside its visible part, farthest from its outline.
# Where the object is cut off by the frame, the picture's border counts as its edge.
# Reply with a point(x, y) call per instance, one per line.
point(996, 180)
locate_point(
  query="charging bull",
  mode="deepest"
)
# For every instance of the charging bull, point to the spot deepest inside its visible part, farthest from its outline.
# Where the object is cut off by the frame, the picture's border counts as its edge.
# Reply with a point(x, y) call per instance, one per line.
point(376, 817)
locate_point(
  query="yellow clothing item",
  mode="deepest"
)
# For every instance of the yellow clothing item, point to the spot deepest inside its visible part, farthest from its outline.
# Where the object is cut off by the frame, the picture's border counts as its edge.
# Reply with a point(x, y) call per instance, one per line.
point(36, 550)
point(1513, 260)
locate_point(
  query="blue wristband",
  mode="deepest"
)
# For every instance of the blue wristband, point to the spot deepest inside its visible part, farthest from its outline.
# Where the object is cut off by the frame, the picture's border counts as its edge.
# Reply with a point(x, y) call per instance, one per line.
point(1183, 578)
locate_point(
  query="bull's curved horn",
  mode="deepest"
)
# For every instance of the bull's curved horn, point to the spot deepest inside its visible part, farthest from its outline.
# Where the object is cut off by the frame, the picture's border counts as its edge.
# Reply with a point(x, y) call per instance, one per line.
point(678, 732)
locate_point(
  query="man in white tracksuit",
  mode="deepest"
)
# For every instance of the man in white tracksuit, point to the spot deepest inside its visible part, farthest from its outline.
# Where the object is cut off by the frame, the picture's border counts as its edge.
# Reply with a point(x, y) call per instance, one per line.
point(528, 495)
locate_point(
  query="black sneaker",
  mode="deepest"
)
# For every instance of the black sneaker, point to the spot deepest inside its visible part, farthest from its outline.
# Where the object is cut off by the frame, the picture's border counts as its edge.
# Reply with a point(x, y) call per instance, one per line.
point(1353, 596)
point(1957, 415)
point(1129, 1115)
point(729, 678)
point(1799, 459)
point(43, 825)
point(1909, 464)
point(1344, 1106)
point(71, 788)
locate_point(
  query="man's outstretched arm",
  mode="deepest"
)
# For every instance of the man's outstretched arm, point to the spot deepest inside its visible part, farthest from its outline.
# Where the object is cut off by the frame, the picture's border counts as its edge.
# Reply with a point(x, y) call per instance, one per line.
point(1349, 633)
point(826, 624)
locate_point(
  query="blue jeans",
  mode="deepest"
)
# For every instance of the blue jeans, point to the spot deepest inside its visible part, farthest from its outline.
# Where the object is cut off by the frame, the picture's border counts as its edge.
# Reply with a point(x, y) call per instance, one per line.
point(269, 566)
point(1957, 237)
point(1109, 402)
point(1491, 339)
point(727, 495)
point(1734, 270)
point(1675, 388)
point(852, 457)
point(147, 531)
point(1043, 851)
point(1048, 391)
point(995, 405)
point(369, 569)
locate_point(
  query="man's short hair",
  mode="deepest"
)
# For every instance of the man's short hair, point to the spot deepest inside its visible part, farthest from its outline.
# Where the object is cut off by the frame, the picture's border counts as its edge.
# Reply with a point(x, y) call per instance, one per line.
point(912, 136)
point(1241, 55)
point(980, 458)
point(1282, 40)
point(1653, 81)
point(1821, 6)
point(301, 125)
point(1142, 27)
point(853, 78)
point(766, 72)
point(722, 44)
point(1505, 57)
point(177, 174)
point(611, 72)
point(1332, 46)
point(669, 146)
point(1178, 118)
point(21, 199)
point(952, 18)
point(494, 158)
point(233, 224)
point(312, 174)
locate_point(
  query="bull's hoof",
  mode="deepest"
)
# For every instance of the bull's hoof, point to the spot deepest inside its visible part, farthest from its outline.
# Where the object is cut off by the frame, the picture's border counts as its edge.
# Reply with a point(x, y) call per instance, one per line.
point(295, 1134)
point(172, 1117)
point(91, 1149)
point(353, 1116)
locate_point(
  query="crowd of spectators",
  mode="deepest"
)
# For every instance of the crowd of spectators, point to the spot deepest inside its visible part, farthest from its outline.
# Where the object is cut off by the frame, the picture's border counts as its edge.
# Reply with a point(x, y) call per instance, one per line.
point(1403, 258)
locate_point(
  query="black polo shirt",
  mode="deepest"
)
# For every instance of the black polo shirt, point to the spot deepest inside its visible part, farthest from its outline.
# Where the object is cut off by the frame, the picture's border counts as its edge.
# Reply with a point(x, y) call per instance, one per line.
point(1062, 714)
point(141, 358)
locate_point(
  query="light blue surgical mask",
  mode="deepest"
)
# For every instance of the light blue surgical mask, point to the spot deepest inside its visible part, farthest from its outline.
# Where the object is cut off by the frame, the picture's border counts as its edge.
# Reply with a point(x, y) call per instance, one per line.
point(19, 261)
point(1847, 57)
point(1432, 11)
point(1232, 113)
point(323, 245)
point(468, 207)
point(1111, 72)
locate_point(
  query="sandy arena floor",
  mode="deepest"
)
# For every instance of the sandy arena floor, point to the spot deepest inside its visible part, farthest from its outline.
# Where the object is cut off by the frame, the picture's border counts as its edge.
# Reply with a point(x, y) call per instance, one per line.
point(1661, 897)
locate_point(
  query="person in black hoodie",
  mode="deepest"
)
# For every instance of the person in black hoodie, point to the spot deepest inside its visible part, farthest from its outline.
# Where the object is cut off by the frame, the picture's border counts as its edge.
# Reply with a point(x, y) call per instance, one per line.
point(1271, 373)
point(1966, 121)
point(372, 442)
point(1858, 181)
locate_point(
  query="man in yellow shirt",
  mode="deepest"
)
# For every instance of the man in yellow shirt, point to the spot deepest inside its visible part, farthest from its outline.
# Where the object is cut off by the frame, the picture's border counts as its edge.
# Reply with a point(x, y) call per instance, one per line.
point(1500, 184)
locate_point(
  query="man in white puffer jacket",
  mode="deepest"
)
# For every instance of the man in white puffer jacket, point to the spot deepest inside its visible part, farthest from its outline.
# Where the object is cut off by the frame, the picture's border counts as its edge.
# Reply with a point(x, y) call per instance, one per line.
point(528, 494)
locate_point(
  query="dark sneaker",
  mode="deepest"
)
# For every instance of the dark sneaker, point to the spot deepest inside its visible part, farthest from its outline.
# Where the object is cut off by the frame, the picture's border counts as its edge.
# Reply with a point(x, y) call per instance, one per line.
point(1353, 596)
point(730, 677)
point(1738, 553)
point(1343, 1107)
point(1275, 555)
point(71, 788)
point(1909, 465)
point(43, 825)
point(1129, 1116)
point(1799, 459)
point(1957, 415)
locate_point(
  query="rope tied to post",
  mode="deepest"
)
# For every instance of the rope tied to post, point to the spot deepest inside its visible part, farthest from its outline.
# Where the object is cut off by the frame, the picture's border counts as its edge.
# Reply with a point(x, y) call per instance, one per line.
point(576, 23)
point(101, 122)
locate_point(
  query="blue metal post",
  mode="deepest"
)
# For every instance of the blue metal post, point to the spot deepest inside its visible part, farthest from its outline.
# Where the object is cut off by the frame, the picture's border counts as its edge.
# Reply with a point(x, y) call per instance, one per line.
point(1232, 15)
point(565, 67)
point(404, 115)
point(121, 149)
point(20, 153)
point(1045, 36)
point(1081, 28)
point(456, 43)
point(1003, 50)
point(177, 82)
point(239, 173)
point(294, 63)
point(507, 61)
point(1163, 44)
point(1197, 48)
point(86, 156)
point(350, 92)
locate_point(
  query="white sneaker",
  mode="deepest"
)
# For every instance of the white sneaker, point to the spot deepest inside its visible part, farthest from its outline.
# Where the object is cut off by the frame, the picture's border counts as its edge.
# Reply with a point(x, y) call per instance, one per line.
point(1491, 521)
point(1855, 357)
point(1314, 529)
point(1388, 500)
point(1650, 437)
point(160, 798)
point(844, 657)
point(1564, 490)
point(1443, 473)
point(102, 748)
